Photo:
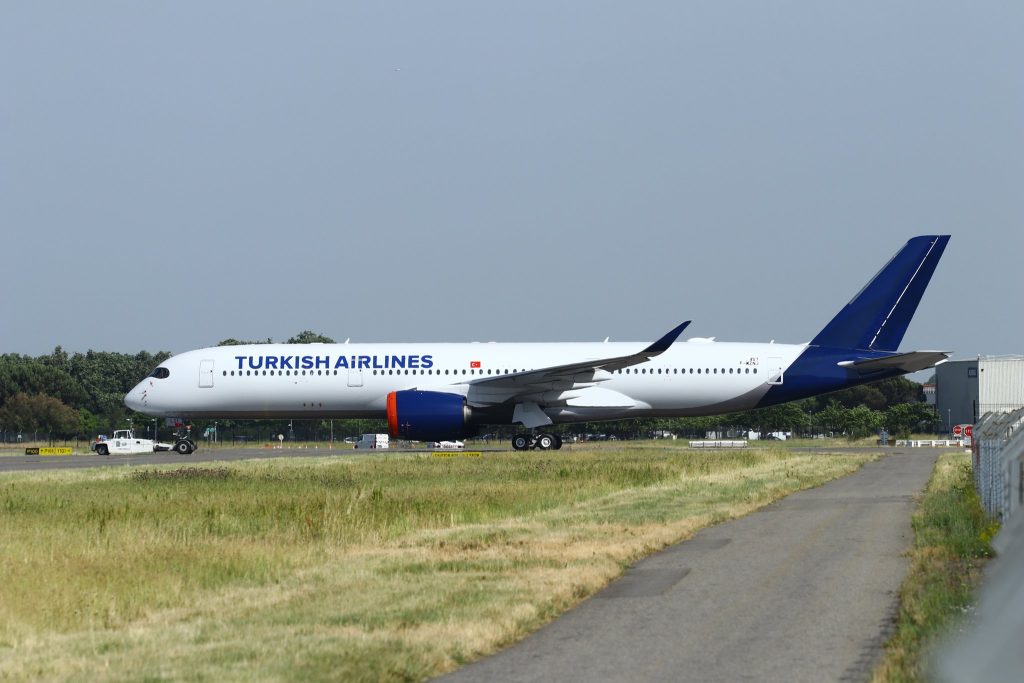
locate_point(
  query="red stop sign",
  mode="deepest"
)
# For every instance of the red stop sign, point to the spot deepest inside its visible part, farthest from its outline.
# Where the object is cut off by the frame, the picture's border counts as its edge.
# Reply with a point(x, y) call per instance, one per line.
point(968, 430)
point(957, 430)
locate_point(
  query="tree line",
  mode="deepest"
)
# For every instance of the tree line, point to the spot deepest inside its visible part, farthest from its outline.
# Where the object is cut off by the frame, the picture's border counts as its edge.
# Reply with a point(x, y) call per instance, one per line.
point(81, 395)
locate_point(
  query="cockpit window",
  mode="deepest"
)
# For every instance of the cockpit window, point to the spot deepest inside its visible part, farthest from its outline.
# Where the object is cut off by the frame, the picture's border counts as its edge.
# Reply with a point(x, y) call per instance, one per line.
point(161, 373)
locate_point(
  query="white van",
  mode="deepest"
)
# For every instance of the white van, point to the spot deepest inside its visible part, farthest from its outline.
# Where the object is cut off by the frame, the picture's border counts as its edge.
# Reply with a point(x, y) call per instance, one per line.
point(372, 441)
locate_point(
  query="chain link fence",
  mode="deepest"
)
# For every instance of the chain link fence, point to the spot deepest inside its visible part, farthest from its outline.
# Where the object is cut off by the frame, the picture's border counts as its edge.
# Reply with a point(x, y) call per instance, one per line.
point(988, 648)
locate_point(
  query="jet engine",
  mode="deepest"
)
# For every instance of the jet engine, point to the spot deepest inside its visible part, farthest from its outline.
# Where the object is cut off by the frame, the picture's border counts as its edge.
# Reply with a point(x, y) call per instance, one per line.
point(428, 416)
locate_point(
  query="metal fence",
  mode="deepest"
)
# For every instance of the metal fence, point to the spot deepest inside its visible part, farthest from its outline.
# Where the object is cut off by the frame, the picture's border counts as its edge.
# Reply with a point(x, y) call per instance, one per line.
point(996, 464)
point(988, 648)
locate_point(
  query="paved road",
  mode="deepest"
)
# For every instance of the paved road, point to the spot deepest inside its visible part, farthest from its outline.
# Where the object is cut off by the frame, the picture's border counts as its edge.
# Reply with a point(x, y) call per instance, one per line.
point(804, 590)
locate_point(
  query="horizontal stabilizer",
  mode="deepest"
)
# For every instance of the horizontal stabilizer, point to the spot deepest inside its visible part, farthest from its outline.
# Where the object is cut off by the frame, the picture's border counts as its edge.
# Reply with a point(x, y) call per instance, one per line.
point(912, 361)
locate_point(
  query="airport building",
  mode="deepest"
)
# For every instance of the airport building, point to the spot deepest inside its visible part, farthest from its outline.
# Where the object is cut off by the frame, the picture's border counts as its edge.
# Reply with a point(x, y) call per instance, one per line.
point(967, 389)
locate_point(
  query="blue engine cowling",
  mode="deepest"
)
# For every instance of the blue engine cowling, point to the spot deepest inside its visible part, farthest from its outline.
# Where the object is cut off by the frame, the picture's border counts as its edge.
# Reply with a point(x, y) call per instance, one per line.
point(428, 416)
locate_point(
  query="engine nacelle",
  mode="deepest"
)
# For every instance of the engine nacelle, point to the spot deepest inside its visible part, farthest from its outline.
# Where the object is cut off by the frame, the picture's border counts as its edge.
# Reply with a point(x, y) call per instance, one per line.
point(428, 416)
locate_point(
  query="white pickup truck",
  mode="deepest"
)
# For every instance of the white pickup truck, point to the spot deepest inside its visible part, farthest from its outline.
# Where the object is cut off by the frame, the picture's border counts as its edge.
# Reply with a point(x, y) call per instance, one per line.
point(125, 443)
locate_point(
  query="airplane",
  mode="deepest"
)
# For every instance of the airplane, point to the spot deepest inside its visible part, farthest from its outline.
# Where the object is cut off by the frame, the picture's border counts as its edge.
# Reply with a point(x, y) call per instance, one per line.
point(444, 392)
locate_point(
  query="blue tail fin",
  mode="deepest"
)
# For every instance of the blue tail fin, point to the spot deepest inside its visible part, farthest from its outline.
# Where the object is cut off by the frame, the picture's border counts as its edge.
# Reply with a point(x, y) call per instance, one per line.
point(877, 318)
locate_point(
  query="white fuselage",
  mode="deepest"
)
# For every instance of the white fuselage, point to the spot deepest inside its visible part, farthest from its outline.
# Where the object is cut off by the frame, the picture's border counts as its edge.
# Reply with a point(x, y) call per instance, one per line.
point(353, 380)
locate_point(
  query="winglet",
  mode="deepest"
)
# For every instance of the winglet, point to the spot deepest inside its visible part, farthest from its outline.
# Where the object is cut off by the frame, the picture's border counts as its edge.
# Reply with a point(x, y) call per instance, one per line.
point(662, 344)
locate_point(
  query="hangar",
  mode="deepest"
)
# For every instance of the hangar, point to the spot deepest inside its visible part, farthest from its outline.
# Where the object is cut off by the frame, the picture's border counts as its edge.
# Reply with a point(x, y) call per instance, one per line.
point(967, 389)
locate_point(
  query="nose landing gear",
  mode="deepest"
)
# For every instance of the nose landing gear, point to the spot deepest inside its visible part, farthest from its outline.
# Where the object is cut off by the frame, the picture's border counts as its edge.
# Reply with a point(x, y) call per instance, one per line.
point(544, 442)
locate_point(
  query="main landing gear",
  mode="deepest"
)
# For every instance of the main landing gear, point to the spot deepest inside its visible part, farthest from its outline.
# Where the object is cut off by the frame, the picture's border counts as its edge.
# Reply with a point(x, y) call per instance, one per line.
point(544, 442)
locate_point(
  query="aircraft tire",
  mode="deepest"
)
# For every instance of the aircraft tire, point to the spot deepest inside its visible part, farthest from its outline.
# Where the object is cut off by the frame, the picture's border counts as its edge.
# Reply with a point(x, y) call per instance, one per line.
point(521, 442)
point(558, 442)
point(545, 442)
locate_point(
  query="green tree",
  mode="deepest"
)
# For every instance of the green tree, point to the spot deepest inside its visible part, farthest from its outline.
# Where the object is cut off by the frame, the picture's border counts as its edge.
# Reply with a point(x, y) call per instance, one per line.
point(39, 412)
point(834, 418)
point(904, 418)
point(310, 337)
point(862, 421)
point(785, 417)
point(875, 395)
point(231, 341)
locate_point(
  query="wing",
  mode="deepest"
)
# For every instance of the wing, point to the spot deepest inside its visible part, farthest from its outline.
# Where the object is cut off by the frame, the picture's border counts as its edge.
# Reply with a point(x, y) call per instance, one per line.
point(558, 382)
point(912, 361)
point(555, 373)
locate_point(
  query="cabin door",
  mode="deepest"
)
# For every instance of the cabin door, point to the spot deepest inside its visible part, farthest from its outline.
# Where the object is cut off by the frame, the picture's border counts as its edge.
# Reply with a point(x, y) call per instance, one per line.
point(206, 374)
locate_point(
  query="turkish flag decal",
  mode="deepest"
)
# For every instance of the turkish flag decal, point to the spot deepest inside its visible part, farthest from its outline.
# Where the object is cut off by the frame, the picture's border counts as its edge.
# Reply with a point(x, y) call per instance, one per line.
point(474, 363)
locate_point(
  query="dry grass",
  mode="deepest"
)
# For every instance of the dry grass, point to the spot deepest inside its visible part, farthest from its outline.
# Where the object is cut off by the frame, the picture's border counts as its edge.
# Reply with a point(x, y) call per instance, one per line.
point(380, 568)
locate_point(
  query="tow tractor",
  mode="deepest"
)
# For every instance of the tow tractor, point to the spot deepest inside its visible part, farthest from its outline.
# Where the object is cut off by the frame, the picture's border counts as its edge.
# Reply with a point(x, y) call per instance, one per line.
point(125, 443)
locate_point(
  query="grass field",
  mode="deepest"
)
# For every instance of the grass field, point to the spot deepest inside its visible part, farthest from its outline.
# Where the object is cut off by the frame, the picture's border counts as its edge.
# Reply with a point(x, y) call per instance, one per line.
point(362, 568)
point(951, 545)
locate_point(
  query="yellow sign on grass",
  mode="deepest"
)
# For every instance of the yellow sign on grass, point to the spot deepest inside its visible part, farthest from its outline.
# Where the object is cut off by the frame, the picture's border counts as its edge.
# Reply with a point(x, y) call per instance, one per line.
point(49, 451)
point(457, 454)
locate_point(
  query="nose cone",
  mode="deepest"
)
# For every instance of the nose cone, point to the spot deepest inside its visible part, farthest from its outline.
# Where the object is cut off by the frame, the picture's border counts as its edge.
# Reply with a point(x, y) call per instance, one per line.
point(138, 398)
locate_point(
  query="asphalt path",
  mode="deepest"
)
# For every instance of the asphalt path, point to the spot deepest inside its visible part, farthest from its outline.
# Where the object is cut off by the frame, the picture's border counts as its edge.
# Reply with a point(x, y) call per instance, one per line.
point(804, 590)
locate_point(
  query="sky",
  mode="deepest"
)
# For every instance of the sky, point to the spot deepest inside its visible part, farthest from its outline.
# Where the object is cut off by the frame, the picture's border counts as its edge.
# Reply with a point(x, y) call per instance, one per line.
point(176, 173)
